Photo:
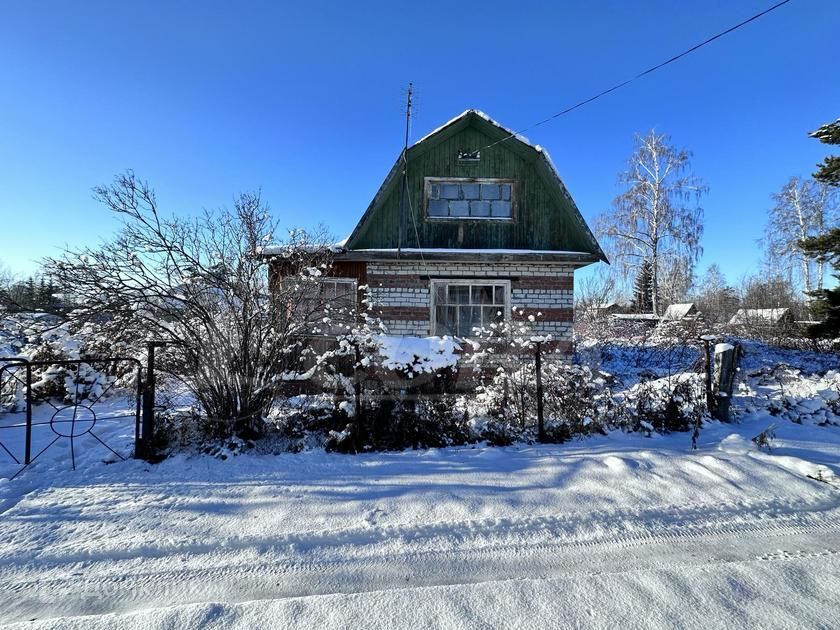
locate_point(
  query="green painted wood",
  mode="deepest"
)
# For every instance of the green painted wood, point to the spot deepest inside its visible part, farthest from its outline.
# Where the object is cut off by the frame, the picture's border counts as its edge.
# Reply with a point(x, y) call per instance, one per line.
point(545, 218)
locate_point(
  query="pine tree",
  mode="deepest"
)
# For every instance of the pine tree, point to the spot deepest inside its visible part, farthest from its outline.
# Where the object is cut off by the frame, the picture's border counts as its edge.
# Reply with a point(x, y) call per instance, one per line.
point(826, 303)
point(829, 170)
point(826, 246)
point(643, 288)
point(31, 293)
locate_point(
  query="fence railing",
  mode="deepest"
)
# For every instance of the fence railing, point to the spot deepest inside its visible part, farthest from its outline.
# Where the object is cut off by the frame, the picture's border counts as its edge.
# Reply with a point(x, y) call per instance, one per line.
point(70, 419)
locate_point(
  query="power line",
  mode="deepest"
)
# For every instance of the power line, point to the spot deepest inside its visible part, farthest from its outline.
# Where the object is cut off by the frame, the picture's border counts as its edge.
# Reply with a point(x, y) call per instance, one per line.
point(641, 74)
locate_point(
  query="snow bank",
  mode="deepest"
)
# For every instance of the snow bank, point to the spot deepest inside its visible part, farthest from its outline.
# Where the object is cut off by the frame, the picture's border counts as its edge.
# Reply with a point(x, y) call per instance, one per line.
point(727, 595)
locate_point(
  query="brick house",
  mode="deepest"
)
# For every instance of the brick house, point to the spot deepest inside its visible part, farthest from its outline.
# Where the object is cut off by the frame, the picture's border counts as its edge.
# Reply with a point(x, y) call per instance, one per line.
point(469, 223)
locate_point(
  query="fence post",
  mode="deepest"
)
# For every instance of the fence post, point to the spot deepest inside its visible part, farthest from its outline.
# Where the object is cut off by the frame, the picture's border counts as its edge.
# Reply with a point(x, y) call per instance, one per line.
point(707, 366)
point(137, 412)
point(726, 359)
point(357, 396)
point(148, 425)
point(28, 447)
point(540, 421)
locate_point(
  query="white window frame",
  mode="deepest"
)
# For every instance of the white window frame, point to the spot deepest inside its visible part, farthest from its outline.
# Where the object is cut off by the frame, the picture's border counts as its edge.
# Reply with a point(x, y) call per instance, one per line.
point(427, 191)
point(506, 309)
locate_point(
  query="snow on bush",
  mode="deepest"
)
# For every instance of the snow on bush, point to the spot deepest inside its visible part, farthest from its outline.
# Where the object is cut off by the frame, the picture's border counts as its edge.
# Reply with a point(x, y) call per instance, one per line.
point(792, 394)
point(45, 339)
point(413, 355)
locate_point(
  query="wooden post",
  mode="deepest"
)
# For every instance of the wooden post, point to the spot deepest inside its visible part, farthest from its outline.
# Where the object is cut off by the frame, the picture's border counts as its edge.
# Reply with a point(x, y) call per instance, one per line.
point(707, 366)
point(137, 412)
point(540, 420)
point(148, 424)
point(357, 397)
point(28, 447)
point(726, 357)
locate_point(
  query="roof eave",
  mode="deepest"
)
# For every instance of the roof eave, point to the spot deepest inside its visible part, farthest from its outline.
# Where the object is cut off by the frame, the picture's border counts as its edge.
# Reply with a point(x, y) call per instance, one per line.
point(373, 255)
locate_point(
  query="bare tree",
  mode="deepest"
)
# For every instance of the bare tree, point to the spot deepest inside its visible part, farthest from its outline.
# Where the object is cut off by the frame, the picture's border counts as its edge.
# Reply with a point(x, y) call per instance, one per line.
point(203, 284)
point(657, 218)
point(594, 293)
point(676, 278)
point(714, 297)
point(803, 208)
point(774, 292)
point(7, 281)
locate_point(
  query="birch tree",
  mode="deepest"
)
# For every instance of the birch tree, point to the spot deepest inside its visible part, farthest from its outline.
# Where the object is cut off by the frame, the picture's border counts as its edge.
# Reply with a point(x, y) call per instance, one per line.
point(803, 209)
point(658, 217)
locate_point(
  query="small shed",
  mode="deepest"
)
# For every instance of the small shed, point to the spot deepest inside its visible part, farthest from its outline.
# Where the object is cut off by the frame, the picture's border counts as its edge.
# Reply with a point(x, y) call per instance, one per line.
point(649, 320)
point(766, 317)
point(679, 312)
point(607, 308)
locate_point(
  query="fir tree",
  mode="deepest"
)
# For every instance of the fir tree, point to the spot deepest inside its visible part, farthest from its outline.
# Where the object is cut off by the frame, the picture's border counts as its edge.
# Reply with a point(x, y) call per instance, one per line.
point(826, 246)
point(826, 303)
point(643, 288)
point(829, 170)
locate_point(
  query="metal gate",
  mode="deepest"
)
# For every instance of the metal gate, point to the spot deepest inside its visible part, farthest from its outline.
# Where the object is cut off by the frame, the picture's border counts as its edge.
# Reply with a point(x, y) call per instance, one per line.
point(28, 430)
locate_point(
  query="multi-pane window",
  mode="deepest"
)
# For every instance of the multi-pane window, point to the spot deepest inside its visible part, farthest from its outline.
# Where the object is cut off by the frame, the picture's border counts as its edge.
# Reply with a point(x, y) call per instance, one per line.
point(459, 306)
point(338, 293)
point(327, 304)
point(469, 198)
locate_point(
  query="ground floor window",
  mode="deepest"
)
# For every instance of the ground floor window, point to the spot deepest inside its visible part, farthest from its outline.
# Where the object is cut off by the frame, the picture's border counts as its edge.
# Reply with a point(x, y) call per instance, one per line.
point(327, 305)
point(461, 306)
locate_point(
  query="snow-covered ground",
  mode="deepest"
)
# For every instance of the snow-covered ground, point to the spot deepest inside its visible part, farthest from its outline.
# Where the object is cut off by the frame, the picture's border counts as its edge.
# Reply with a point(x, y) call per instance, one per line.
point(619, 530)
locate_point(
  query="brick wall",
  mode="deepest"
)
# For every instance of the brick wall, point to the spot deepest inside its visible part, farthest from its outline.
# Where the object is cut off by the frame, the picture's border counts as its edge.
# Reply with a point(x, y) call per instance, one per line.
point(399, 293)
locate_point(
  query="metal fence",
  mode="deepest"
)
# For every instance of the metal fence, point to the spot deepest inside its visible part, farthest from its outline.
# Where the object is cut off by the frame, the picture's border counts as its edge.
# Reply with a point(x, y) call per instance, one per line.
point(30, 427)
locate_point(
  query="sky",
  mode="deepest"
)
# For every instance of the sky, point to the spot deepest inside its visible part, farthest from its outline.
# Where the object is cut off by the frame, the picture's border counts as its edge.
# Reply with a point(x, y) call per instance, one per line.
point(304, 101)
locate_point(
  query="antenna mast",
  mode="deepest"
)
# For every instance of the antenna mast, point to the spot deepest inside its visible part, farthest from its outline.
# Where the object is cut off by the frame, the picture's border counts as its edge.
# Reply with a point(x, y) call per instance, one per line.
point(404, 188)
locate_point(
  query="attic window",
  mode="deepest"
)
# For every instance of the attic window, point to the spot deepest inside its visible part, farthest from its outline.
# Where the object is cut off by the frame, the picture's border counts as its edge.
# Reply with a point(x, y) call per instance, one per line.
point(461, 198)
point(469, 157)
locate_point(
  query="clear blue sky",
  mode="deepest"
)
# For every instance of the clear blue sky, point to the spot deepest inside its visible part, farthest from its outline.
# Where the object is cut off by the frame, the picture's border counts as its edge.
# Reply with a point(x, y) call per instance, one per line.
point(304, 100)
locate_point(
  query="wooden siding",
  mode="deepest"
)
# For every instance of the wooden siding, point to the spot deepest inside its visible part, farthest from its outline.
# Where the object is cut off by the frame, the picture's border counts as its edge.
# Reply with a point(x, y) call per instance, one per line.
point(545, 219)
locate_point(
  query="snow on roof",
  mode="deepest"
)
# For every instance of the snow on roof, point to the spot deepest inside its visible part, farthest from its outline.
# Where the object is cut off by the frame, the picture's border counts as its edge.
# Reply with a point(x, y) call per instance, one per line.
point(676, 312)
point(481, 114)
point(285, 250)
point(446, 250)
point(766, 315)
point(636, 316)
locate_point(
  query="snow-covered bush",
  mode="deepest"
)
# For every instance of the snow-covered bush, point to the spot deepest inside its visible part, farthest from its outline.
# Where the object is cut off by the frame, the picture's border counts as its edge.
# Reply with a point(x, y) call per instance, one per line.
point(48, 340)
point(202, 284)
point(793, 394)
point(675, 403)
point(576, 402)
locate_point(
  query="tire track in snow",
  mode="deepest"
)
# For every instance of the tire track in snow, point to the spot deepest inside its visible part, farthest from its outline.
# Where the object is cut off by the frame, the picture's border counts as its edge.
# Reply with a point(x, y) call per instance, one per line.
point(574, 526)
point(276, 571)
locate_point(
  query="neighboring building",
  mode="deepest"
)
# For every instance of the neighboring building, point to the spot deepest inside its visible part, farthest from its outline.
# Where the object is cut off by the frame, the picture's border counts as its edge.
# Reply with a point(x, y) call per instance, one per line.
point(483, 224)
point(648, 319)
point(603, 309)
point(680, 312)
point(762, 317)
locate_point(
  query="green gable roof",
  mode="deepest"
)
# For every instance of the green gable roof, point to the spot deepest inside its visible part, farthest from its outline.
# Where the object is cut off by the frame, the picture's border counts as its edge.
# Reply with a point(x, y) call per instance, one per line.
point(546, 217)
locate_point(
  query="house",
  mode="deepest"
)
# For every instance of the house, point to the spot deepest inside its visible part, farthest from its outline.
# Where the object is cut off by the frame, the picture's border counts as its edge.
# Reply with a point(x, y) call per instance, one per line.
point(762, 317)
point(680, 312)
point(603, 309)
point(470, 222)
